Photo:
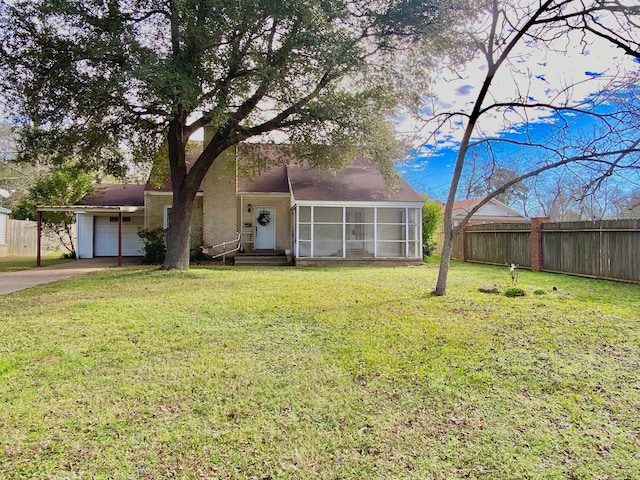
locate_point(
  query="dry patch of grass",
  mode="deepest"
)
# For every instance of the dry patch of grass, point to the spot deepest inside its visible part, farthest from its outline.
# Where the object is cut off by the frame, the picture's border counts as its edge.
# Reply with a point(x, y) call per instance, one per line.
point(319, 373)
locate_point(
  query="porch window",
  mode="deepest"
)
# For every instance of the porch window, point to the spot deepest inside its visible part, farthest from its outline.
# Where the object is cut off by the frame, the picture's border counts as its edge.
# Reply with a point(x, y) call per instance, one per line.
point(304, 231)
point(360, 232)
point(328, 225)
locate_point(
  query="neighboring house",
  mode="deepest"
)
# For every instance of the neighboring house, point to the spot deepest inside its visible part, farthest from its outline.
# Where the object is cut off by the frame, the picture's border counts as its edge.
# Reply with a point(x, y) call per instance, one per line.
point(350, 215)
point(4, 217)
point(493, 211)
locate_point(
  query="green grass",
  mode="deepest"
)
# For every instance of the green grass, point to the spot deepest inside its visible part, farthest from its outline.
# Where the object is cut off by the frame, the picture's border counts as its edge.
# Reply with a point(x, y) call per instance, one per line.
point(16, 263)
point(319, 373)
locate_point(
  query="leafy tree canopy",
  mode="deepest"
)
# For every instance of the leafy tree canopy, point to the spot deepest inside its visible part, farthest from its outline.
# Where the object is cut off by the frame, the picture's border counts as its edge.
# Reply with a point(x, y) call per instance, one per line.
point(93, 76)
point(66, 184)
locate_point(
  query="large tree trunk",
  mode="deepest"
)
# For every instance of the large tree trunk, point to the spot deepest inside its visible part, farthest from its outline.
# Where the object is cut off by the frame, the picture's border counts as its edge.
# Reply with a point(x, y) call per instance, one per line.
point(179, 231)
point(184, 194)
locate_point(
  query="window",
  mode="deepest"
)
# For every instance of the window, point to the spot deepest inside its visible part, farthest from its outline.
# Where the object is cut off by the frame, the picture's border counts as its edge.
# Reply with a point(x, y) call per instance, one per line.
point(167, 215)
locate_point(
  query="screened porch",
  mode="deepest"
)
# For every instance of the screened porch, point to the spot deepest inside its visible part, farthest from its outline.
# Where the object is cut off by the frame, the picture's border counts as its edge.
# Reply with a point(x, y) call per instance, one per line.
point(354, 232)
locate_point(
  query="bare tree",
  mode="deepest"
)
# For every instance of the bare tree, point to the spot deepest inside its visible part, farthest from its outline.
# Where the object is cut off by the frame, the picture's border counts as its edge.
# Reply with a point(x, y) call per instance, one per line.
point(610, 144)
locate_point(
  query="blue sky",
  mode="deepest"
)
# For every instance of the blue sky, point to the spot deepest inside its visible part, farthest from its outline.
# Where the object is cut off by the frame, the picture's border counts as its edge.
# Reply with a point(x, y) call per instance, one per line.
point(572, 72)
point(429, 169)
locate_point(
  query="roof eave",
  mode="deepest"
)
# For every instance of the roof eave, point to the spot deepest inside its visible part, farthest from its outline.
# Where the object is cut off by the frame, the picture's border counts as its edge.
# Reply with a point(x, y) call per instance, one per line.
point(90, 208)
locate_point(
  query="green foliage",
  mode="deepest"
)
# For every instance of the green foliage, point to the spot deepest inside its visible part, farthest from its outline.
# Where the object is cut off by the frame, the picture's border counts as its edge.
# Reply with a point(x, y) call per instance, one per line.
point(540, 291)
point(17, 177)
point(431, 222)
point(514, 292)
point(120, 76)
point(66, 184)
point(154, 245)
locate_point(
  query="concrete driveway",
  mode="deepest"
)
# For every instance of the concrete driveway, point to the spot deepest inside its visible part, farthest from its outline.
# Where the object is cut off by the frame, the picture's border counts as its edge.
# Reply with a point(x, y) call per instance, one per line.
point(15, 281)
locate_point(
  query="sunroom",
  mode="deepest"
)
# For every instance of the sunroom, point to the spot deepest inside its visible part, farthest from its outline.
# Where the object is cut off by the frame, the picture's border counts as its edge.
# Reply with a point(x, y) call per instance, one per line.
point(385, 232)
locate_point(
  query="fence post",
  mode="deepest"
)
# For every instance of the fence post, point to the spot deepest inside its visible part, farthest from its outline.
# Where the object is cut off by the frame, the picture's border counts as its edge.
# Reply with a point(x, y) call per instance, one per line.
point(463, 246)
point(536, 242)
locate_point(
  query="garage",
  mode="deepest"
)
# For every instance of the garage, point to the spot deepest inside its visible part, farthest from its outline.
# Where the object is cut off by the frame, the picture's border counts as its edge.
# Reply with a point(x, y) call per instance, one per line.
point(106, 236)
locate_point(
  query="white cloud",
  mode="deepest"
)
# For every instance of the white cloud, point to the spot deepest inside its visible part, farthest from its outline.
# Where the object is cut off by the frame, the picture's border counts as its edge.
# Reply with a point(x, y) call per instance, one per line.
point(566, 72)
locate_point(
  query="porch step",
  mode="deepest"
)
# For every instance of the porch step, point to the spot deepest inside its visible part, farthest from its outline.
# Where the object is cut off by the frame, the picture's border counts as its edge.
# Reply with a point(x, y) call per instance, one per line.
point(263, 259)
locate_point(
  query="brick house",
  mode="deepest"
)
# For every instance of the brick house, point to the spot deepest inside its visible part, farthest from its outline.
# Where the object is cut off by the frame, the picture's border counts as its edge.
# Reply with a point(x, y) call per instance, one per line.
point(320, 216)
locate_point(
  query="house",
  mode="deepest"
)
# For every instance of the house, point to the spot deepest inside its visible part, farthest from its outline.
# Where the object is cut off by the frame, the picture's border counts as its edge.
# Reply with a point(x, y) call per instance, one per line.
point(322, 216)
point(493, 211)
point(4, 218)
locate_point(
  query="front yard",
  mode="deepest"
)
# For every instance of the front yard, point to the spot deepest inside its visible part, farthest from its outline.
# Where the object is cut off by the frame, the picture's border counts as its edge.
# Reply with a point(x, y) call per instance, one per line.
point(337, 373)
point(17, 263)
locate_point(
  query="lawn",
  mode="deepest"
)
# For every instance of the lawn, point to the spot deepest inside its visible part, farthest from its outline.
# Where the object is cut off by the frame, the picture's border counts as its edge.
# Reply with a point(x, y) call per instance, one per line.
point(16, 263)
point(314, 373)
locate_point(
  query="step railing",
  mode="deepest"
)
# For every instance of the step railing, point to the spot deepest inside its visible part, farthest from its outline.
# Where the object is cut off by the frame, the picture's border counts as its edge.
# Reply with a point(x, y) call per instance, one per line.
point(235, 243)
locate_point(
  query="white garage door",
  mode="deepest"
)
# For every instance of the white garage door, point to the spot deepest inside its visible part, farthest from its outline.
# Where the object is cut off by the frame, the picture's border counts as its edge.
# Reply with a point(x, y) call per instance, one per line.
point(106, 236)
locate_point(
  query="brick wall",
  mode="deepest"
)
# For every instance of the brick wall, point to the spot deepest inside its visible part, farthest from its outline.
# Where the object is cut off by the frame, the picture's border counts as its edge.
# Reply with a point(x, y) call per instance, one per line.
point(154, 215)
point(220, 206)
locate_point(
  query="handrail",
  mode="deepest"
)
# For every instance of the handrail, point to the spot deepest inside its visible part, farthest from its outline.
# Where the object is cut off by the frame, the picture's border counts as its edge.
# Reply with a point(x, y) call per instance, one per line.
point(205, 248)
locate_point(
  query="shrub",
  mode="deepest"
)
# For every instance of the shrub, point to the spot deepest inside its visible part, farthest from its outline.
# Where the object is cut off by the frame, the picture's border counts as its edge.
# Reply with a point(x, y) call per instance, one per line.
point(154, 246)
point(431, 221)
point(539, 291)
point(515, 292)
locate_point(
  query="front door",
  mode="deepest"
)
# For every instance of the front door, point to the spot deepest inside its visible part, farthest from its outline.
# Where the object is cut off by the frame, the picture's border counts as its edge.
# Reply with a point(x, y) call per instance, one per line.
point(265, 228)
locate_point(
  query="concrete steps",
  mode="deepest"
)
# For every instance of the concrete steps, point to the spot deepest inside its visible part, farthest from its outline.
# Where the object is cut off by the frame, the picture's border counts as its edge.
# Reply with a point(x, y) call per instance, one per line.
point(269, 258)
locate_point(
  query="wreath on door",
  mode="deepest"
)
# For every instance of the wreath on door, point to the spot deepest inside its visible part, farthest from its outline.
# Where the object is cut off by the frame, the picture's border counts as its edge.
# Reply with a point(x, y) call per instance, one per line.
point(264, 218)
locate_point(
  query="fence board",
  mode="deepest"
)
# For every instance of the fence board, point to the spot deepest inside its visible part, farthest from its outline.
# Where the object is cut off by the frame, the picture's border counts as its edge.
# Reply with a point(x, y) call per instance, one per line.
point(608, 249)
point(22, 239)
point(498, 244)
point(601, 249)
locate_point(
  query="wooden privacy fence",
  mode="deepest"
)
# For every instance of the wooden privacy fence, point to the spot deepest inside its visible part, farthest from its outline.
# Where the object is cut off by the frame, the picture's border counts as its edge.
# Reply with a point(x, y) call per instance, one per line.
point(607, 249)
point(22, 239)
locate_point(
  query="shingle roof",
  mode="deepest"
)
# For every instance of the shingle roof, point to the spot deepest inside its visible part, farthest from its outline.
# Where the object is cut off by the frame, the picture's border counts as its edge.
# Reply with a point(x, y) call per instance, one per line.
point(360, 181)
point(116, 195)
point(273, 180)
point(463, 206)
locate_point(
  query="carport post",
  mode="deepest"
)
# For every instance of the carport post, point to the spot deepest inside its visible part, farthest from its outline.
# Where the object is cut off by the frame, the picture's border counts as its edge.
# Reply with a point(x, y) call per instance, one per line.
point(120, 238)
point(39, 242)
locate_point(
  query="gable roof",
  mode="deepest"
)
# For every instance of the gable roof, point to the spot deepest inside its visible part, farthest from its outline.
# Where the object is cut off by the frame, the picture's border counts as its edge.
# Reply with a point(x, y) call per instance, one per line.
point(116, 195)
point(499, 210)
point(272, 180)
point(359, 181)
